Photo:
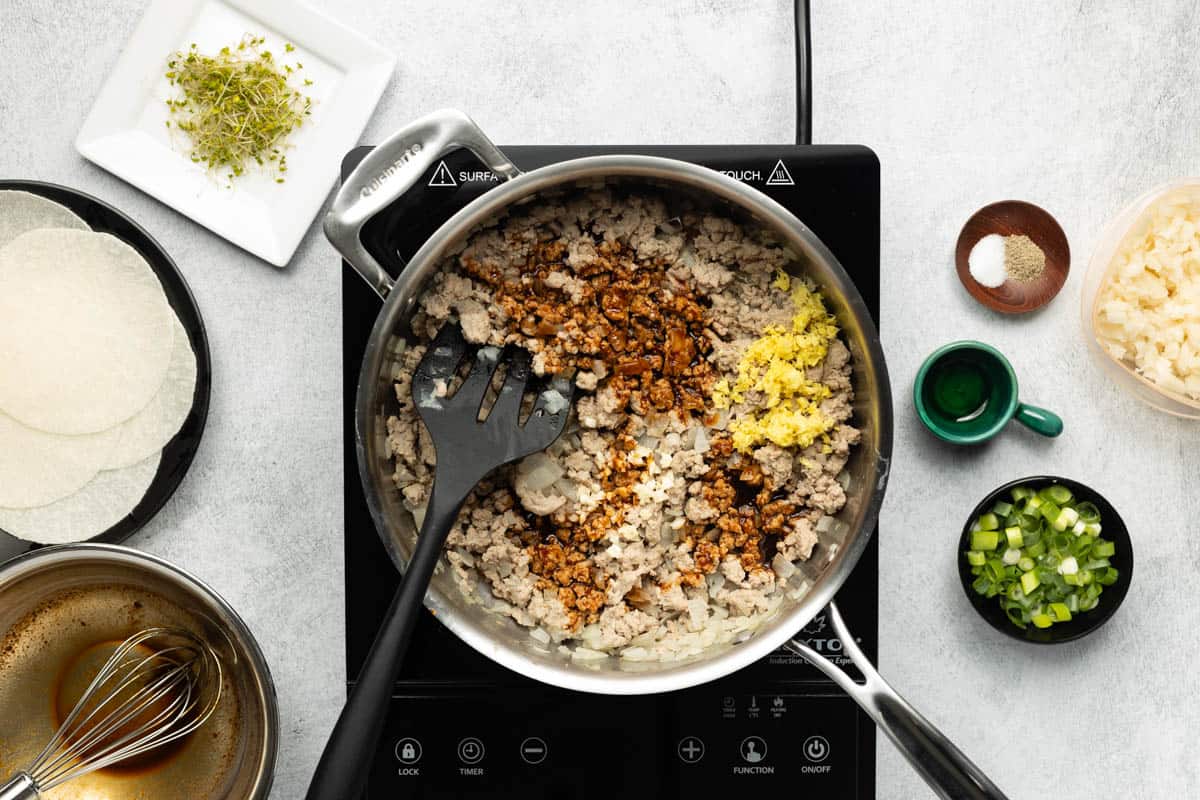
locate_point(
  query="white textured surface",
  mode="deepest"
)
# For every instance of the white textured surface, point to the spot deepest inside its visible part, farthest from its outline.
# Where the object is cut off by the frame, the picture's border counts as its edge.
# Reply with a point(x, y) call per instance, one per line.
point(1077, 107)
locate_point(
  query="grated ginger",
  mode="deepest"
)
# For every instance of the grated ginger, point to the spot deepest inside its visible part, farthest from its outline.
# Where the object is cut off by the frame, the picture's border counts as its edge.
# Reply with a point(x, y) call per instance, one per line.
point(776, 365)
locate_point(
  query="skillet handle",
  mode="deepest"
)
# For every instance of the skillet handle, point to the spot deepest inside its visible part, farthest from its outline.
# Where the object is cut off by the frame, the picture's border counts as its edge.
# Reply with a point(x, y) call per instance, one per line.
point(390, 170)
point(950, 774)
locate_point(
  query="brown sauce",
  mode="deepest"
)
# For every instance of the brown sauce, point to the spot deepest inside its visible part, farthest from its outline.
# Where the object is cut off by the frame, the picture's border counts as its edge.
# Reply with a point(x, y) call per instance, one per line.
point(71, 685)
point(49, 654)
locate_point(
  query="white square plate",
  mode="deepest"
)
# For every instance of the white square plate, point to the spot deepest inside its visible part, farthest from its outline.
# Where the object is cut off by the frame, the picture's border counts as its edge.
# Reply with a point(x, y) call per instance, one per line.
point(126, 131)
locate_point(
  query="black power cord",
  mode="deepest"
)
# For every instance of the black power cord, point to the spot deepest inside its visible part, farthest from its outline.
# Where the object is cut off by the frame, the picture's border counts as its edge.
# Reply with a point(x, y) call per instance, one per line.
point(803, 74)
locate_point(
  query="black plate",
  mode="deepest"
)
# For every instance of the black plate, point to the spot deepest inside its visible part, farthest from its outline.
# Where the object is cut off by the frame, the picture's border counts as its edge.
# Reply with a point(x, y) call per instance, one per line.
point(1081, 624)
point(177, 455)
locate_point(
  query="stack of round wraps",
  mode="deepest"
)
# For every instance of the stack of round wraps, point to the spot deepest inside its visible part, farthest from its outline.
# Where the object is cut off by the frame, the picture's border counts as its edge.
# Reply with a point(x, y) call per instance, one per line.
point(96, 374)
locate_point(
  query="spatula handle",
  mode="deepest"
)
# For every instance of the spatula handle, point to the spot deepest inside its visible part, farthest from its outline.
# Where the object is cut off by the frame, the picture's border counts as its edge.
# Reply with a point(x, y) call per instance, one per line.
point(342, 770)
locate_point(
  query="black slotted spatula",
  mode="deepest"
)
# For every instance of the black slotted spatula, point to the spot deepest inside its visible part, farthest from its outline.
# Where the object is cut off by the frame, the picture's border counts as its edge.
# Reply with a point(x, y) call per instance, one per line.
point(467, 450)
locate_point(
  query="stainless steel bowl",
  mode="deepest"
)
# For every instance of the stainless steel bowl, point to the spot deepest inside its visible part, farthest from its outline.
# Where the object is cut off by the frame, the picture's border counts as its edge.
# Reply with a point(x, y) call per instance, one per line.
point(32, 583)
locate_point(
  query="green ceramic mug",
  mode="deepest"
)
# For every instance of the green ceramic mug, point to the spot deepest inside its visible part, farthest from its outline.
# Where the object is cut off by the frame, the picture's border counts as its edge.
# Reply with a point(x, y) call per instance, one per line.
point(966, 392)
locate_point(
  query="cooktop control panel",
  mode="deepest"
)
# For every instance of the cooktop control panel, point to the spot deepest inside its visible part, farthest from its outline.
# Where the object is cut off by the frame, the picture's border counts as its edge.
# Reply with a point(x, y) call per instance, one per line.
point(461, 726)
point(545, 743)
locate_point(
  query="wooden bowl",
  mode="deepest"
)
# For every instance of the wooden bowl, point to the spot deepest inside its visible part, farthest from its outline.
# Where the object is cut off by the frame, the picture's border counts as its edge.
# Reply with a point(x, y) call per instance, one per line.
point(1011, 218)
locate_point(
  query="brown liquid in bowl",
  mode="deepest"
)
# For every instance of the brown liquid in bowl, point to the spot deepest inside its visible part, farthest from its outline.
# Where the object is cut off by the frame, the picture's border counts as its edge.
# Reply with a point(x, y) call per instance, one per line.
point(73, 683)
point(47, 659)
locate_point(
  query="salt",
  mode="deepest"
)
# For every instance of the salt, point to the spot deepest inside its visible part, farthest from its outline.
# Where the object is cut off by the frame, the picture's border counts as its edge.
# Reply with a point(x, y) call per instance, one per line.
point(986, 261)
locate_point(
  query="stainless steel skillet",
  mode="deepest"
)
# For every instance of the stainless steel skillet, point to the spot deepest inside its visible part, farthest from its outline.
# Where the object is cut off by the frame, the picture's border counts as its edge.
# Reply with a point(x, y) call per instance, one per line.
point(389, 172)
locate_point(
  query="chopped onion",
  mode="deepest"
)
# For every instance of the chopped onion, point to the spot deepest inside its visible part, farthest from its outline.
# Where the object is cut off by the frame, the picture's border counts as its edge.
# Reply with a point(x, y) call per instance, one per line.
point(590, 635)
point(783, 568)
point(554, 401)
point(568, 488)
point(587, 654)
point(540, 471)
point(637, 654)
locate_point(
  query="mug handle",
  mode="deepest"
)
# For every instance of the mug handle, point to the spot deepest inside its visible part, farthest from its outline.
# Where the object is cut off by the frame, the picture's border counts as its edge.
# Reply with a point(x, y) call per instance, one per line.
point(1039, 420)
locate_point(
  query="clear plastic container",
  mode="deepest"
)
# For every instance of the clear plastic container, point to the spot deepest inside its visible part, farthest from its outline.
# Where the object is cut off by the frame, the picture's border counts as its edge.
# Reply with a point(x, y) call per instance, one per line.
point(1129, 223)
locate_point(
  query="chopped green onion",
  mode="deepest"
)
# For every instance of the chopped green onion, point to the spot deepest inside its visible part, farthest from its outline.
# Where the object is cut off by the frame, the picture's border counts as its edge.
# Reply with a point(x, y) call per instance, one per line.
point(1088, 512)
point(1014, 537)
point(1060, 612)
point(1029, 581)
point(994, 569)
point(1067, 517)
point(1041, 556)
point(1016, 615)
point(1057, 494)
point(985, 540)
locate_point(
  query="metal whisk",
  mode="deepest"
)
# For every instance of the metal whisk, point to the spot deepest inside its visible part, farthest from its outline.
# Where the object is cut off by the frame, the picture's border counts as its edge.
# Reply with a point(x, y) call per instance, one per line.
point(158, 686)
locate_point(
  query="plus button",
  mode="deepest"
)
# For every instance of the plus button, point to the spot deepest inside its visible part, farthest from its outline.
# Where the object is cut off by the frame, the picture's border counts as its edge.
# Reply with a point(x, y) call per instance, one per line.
point(691, 749)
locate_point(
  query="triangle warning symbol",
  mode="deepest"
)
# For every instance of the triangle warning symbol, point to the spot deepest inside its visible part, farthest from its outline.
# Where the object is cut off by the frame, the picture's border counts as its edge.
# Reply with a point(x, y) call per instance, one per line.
point(779, 176)
point(442, 176)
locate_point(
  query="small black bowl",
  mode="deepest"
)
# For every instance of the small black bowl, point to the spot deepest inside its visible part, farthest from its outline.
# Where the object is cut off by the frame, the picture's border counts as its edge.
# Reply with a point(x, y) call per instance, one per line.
point(1081, 624)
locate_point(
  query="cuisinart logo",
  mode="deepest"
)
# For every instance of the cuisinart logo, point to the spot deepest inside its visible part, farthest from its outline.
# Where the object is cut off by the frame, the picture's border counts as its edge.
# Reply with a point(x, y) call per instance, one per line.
point(391, 170)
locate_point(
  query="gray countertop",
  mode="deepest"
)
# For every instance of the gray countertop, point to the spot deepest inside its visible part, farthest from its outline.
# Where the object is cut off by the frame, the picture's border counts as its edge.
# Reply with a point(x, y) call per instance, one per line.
point(1076, 107)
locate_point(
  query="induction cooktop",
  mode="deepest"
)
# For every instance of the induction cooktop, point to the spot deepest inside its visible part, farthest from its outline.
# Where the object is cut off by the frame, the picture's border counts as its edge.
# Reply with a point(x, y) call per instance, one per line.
point(460, 726)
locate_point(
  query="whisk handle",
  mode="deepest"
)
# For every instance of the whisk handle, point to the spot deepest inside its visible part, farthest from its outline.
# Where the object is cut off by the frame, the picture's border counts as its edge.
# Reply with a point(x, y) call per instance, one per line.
point(342, 770)
point(21, 787)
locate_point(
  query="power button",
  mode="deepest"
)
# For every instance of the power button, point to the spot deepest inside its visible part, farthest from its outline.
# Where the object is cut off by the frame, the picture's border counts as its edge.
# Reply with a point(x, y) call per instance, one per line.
point(816, 749)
